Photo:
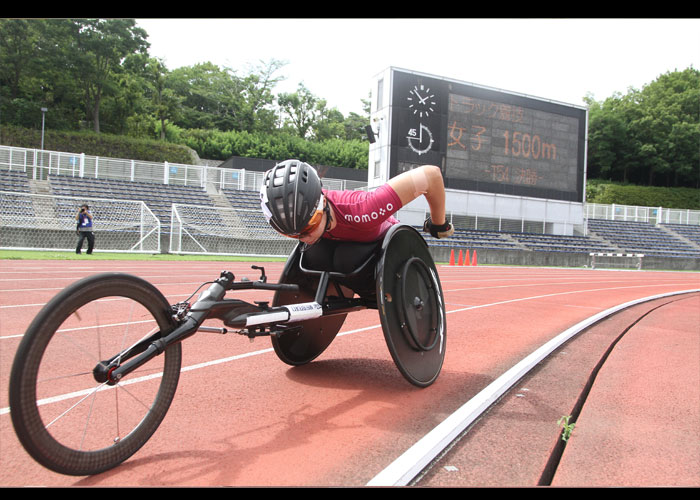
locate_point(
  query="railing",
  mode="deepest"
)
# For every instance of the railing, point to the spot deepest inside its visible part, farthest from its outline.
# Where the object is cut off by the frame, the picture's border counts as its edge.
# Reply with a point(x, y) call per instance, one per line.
point(652, 215)
point(39, 164)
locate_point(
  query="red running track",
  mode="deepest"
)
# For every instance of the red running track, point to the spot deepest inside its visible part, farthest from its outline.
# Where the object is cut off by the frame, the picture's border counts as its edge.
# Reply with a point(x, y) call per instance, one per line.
point(341, 420)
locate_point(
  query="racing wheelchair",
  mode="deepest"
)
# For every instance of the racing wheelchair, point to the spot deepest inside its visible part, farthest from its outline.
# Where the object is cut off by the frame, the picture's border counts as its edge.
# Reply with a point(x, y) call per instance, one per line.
point(98, 367)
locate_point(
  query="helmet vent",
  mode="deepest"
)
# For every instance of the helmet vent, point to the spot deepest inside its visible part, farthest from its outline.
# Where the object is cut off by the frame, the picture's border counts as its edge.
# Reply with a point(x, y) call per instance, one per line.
point(290, 194)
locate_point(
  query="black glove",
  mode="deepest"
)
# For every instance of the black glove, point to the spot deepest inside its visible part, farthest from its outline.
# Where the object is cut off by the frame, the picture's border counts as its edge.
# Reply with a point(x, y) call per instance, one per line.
point(442, 231)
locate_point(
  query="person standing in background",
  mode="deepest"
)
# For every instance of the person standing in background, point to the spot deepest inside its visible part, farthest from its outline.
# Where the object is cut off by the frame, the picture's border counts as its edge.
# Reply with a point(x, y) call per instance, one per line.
point(84, 229)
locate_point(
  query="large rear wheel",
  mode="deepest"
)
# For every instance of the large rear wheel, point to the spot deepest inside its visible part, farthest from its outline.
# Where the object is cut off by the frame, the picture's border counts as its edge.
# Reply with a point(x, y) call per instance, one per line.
point(67, 417)
point(411, 306)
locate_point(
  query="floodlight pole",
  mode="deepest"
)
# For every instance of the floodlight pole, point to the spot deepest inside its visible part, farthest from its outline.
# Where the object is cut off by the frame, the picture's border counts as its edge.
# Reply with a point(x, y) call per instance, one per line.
point(43, 117)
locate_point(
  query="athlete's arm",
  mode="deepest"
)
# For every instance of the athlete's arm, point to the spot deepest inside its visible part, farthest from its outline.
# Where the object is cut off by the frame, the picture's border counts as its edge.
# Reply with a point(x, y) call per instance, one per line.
point(427, 181)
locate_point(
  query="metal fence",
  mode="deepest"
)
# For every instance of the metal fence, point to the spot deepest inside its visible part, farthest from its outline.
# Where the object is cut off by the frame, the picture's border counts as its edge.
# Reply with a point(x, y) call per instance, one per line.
point(39, 164)
point(224, 231)
point(652, 215)
point(46, 222)
point(131, 226)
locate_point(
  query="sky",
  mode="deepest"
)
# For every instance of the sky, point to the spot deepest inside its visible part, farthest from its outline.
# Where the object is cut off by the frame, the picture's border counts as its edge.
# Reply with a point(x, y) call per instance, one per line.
point(557, 59)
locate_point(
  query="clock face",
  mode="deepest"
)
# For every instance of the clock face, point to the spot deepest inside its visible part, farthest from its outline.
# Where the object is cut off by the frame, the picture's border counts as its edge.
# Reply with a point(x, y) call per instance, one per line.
point(421, 140)
point(421, 101)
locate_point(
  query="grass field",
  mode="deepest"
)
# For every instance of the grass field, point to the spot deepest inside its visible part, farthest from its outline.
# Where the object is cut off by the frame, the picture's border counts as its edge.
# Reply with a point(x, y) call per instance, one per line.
point(67, 255)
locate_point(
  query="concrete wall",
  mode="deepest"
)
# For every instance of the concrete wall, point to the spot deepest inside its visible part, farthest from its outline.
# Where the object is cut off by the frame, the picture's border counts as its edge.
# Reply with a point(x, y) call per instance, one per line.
point(557, 259)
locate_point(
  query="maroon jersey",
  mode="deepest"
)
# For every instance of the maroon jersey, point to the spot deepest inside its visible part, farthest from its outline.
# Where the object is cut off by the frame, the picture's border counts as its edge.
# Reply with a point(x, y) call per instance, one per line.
point(363, 216)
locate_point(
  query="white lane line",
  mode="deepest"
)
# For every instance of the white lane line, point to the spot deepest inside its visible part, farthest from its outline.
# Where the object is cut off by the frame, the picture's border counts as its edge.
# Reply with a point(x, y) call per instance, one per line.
point(197, 366)
point(372, 327)
point(408, 465)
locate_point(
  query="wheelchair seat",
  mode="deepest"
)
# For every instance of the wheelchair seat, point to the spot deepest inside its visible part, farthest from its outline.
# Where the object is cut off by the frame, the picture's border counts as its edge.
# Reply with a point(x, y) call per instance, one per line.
point(395, 275)
point(341, 258)
point(349, 264)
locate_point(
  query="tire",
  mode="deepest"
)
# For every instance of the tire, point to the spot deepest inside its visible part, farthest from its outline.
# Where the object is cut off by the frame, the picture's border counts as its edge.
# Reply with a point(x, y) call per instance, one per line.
point(64, 418)
point(411, 306)
point(313, 336)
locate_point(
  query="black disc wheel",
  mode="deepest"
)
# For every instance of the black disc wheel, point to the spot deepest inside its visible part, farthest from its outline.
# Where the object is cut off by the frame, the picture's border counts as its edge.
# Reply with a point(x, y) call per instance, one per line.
point(305, 340)
point(418, 306)
point(411, 306)
point(66, 415)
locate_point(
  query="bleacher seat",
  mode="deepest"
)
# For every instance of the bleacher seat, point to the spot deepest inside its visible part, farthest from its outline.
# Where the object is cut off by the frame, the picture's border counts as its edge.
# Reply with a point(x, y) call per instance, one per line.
point(247, 200)
point(14, 180)
point(642, 237)
point(158, 197)
point(559, 243)
point(687, 231)
point(473, 239)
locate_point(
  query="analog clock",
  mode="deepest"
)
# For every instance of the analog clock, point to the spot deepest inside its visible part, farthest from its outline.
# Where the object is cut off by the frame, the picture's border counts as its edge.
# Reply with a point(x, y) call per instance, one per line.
point(421, 140)
point(420, 101)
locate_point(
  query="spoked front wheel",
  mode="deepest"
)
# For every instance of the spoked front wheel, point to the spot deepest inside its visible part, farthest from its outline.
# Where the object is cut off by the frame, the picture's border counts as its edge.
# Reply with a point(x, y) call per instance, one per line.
point(67, 417)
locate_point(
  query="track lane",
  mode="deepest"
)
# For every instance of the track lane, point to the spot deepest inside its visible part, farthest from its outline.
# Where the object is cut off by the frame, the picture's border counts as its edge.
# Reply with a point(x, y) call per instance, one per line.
point(344, 417)
point(618, 380)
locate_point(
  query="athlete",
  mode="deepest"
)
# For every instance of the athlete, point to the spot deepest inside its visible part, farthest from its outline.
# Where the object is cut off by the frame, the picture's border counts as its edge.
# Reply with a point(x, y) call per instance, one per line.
point(295, 204)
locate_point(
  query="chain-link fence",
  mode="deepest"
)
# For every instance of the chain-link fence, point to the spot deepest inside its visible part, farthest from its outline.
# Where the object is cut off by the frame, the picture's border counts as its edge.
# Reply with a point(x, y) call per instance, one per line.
point(30, 221)
point(218, 230)
point(45, 222)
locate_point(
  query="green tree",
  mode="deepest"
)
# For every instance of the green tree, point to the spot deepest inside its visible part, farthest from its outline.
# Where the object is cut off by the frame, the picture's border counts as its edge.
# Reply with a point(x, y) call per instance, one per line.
point(330, 124)
point(211, 96)
point(649, 136)
point(355, 125)
point(35, 72)
point(18, 40)
point(127, 105)
point(18, 50)
point(609, 149)
point(166, 105)
point(257, 113)
point(100, 46)
point(667, 127)
point(302, 109)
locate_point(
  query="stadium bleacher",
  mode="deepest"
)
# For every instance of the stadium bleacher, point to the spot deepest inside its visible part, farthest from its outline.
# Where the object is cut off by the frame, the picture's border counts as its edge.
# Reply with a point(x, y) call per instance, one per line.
point(558, 243)
point(606, 235)
point(472, 239)
point(158, 197)
point(686, 231)
point(14, 181)
point(642, 237)
point(248, 200)
point(663, 240)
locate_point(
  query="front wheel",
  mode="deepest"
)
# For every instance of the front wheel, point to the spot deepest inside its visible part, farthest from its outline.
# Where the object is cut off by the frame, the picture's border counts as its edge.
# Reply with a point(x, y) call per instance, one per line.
point(67, 420)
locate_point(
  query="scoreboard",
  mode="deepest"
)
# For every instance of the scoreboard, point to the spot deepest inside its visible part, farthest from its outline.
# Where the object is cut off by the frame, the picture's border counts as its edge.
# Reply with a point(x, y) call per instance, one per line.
point(485, 139)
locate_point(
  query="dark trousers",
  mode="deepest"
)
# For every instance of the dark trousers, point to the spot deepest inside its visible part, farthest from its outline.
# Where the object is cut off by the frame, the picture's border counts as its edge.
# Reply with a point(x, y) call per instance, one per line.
point(338, 256)
point(90, 238)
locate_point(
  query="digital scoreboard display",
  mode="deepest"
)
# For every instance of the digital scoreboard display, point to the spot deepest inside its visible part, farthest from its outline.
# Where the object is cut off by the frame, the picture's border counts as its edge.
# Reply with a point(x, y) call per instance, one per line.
point(487, 140)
